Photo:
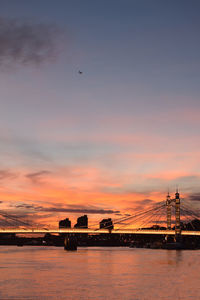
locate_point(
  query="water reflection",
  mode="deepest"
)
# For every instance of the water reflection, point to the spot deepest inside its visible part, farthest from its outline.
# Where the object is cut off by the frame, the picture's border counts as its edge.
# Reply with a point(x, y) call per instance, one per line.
point(179, 256)
point(174, 257)
point(96, 273)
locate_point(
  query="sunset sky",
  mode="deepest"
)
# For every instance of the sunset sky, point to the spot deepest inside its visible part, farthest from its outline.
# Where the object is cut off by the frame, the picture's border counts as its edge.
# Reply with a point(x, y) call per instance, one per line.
point(114, 138)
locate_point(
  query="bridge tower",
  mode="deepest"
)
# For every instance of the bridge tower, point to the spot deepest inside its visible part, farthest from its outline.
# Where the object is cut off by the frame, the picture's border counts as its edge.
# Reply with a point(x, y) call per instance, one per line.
point(169, 211)
point(177, 214)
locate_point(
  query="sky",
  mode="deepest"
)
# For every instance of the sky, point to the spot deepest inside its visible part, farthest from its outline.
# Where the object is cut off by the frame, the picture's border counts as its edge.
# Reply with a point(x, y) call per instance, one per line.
point(113, 139)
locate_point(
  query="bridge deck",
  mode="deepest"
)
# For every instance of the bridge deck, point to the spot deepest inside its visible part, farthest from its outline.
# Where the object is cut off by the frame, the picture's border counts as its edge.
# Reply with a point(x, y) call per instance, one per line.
point(93, 231)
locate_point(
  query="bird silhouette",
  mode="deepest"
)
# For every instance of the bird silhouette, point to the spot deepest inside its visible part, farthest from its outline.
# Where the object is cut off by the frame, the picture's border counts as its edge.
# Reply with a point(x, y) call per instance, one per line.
point(80, 72)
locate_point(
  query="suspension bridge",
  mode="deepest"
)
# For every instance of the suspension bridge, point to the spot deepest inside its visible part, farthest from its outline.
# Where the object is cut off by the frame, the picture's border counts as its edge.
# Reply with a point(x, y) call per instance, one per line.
point(175, 213)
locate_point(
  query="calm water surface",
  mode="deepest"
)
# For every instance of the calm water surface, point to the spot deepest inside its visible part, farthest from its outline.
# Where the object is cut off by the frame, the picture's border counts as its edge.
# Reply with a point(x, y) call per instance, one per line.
point(98, 273)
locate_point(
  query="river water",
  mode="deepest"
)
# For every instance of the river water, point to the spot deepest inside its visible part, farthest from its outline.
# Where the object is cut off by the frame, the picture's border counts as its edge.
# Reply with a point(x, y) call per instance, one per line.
point(98, 273)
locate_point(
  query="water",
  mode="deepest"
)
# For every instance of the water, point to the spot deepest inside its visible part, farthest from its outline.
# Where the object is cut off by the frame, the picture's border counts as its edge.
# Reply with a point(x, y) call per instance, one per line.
point(98, 273)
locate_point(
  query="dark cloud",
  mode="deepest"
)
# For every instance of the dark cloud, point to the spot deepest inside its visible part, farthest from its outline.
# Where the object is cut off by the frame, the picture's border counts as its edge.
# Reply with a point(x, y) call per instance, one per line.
point(124, 215)
point(24, 43)
point(194, 197)
point(6, 174)
point(144, 202)
point(69, 209)
point(190, 178)
point(81, 210)
point(37, 176)
point(27, 206)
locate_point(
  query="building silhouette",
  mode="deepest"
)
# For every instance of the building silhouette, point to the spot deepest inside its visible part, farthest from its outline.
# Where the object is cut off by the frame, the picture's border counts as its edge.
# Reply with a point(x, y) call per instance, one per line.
point(66, 223)
point(82, 222)
point(106, 223)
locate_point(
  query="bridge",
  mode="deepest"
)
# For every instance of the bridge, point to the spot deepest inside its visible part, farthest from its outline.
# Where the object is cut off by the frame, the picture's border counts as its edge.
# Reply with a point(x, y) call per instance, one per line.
point(155, 214)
